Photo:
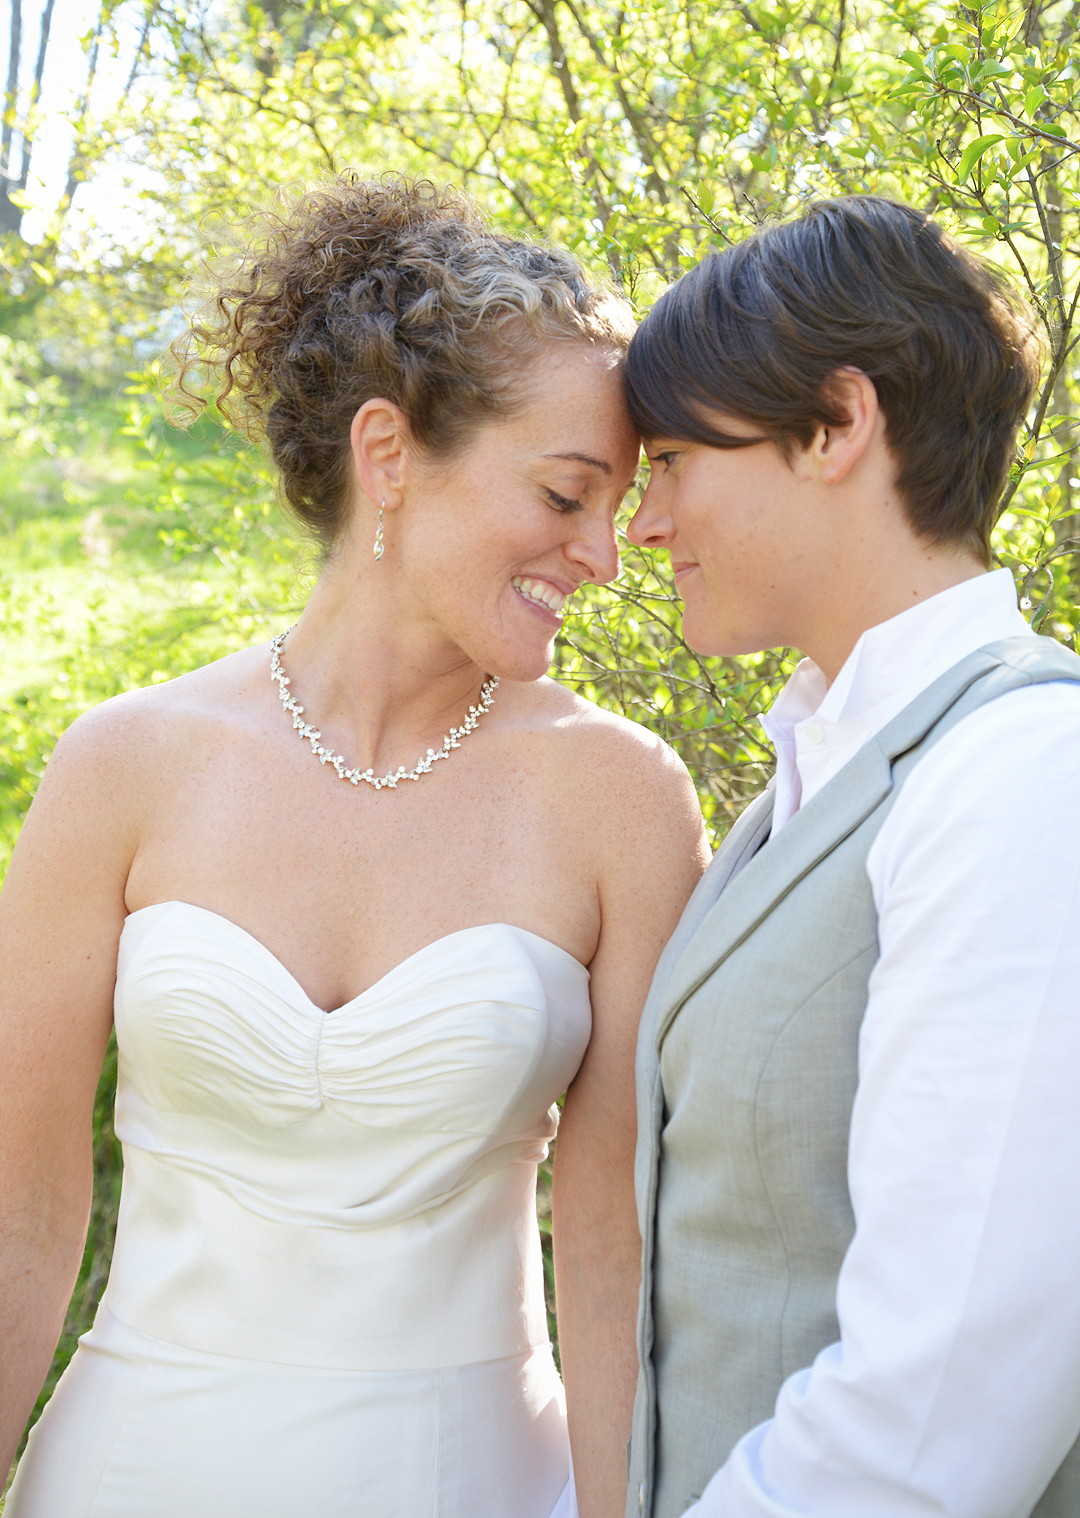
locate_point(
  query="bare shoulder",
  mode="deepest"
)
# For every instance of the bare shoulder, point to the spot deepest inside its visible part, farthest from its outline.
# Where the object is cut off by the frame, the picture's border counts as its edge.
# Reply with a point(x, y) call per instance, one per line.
point(616, 761)
point(63, 905)
point(634, 816)
point(115, 757)
point(129, 727)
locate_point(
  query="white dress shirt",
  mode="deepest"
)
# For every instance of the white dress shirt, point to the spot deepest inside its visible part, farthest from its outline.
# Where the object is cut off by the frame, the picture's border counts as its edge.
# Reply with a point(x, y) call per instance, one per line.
point(954, 1389)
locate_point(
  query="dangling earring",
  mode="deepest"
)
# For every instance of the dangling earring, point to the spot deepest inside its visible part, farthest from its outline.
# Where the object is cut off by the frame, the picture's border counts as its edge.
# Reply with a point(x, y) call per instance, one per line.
point(378, 548)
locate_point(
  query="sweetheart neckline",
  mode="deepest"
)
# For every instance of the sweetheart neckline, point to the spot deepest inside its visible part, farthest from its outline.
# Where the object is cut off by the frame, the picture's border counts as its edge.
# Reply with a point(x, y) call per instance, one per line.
point(360, 995)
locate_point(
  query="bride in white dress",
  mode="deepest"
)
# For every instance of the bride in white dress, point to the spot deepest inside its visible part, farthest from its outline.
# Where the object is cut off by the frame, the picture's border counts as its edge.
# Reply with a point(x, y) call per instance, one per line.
point(345, 1008)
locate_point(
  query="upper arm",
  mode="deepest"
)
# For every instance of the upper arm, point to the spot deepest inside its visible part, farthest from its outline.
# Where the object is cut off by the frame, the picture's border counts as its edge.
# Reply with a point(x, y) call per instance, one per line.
point(61, 913)
point(970, 1044)
point(651, 850)
point(974, 870)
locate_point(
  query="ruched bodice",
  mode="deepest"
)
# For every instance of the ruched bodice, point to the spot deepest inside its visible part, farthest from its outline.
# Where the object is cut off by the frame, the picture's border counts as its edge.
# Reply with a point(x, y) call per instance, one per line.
point(398, 1133)
point(350, 1192)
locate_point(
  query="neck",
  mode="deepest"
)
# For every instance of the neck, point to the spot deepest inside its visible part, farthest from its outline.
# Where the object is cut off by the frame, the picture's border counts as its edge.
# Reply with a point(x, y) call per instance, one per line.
point(375, 679)
point(878, 587)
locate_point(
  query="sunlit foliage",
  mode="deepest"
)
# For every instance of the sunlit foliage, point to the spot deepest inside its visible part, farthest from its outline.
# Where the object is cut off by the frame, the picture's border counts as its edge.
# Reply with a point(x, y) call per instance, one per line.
point(640, 134)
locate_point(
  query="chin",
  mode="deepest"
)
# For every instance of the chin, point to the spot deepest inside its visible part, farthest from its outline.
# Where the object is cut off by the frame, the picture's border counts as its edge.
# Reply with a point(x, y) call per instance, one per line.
point(703, 636)
point(714, 641)
point(520, 666)
point(526, 674)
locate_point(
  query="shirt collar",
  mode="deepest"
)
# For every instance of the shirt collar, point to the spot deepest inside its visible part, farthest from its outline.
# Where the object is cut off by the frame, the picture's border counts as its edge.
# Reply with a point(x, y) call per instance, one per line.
point(892, 662)
point(817, 729)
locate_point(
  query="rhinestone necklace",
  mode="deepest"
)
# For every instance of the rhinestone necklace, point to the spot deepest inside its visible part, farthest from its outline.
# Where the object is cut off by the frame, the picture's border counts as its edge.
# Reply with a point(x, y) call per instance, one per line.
point(324, 755)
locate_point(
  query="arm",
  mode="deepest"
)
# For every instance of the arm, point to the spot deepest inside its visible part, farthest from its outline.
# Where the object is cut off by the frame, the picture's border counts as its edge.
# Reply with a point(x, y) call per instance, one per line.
point(955, 1385)
point(61, 912)
point(653, 851)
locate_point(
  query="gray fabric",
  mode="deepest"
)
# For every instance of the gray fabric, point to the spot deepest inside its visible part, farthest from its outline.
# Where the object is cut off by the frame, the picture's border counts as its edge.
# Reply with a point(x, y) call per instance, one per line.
point(747, 1069)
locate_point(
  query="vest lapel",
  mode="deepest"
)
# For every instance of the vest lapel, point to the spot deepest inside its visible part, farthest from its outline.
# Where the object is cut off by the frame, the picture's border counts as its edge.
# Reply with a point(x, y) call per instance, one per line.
point(734, 900)
point(752, 892)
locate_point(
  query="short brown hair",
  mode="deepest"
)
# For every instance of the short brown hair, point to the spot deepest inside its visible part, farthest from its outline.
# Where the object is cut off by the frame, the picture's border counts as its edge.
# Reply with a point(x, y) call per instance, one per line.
point(386, 287)
point(756, 331)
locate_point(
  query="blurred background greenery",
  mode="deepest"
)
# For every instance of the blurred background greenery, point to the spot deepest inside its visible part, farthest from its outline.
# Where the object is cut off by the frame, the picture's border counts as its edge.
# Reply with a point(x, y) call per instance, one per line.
point(641, 134)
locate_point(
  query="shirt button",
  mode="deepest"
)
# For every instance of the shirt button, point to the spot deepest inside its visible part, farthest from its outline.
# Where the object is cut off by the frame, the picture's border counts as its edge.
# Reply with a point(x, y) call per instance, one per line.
point(814, 732)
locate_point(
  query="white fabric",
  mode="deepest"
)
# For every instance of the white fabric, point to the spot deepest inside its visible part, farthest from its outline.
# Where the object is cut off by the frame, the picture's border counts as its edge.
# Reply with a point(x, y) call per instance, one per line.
point(327, 1291)
point(955, 1388)
point(816, 727)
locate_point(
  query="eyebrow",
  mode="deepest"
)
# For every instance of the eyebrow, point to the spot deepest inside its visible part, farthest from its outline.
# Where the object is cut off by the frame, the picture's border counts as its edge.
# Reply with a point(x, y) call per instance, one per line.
point(581, 458)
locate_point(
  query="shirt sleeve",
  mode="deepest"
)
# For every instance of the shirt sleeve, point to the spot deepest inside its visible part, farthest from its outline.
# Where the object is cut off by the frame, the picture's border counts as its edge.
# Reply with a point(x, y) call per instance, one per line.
point(955, 1386)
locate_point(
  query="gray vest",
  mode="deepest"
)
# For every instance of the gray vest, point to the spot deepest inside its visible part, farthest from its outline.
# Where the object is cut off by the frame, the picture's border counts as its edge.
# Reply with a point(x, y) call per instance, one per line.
point(747, 1069)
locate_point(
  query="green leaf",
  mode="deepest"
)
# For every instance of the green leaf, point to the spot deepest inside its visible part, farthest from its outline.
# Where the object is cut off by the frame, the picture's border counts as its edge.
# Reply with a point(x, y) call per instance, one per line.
point(990, 70)
point(1034, 99)
point(974, 151)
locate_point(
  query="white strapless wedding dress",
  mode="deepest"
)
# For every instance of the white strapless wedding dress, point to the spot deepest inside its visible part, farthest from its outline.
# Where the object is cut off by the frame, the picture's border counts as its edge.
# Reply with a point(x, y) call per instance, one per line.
point(326, 1299)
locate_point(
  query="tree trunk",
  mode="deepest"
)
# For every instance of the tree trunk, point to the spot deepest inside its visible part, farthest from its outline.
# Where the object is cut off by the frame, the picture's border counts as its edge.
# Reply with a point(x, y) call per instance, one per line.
point(10, 216)
point(35, 90)
point(1067, 524)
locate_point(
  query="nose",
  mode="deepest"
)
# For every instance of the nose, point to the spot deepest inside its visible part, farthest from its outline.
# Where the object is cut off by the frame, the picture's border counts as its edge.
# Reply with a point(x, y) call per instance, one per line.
point(651, 525)
point(595, 547)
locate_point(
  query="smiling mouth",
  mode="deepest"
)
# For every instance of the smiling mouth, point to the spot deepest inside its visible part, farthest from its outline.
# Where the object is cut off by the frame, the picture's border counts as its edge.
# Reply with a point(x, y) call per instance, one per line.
point(540, 593)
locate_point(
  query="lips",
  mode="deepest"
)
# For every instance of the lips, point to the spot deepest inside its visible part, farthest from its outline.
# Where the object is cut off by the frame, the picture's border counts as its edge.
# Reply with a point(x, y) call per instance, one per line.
point(540, 592)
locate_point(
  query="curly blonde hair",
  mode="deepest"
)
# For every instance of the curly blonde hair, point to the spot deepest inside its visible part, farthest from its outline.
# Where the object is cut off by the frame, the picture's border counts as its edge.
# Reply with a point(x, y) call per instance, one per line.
point(386, 287)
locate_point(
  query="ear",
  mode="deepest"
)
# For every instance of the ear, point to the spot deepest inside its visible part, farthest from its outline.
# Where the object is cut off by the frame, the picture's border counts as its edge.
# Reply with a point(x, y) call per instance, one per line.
point(837, 449)
point(379, 441)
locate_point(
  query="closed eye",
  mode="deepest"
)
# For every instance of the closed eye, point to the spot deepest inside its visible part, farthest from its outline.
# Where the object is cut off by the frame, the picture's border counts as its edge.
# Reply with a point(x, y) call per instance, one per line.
point(661, 458)
point(562, 502)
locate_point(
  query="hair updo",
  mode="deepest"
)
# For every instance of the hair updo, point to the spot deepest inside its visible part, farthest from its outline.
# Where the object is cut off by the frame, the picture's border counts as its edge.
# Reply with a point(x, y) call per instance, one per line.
point(379, 287)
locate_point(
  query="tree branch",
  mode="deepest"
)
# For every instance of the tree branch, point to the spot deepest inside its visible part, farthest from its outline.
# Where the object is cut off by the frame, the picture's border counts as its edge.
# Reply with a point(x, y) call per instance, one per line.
point(544, 10)
point(636, 121)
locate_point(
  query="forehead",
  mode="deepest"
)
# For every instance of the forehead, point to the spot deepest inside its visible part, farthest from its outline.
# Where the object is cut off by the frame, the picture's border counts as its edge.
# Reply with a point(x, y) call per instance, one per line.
point(574, 408)
point(580, 370)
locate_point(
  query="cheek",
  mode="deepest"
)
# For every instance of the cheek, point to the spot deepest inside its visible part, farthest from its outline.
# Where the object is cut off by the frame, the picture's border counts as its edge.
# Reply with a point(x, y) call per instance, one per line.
point(703, 504)
point(728, 523)
point(706, 525)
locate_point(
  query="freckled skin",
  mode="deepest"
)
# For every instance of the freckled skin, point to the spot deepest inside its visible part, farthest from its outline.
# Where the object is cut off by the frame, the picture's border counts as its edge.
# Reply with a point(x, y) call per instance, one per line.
point(509, 508)
point(739, 524)
point(553, 816)
point(805, 553)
